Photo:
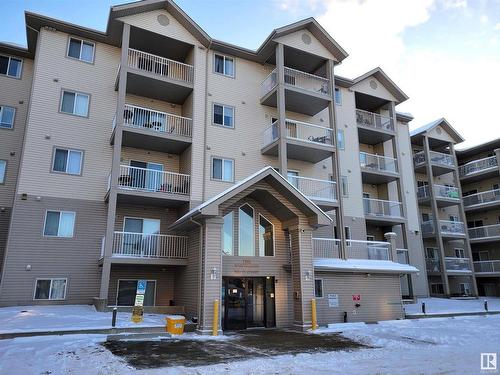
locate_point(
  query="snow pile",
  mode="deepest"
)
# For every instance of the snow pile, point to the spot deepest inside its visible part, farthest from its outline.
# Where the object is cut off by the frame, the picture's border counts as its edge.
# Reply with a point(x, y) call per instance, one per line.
point(446, 305)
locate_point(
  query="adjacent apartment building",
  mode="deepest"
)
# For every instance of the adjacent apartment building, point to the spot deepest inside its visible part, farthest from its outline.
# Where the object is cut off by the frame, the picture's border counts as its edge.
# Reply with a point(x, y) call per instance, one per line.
point(259, 179)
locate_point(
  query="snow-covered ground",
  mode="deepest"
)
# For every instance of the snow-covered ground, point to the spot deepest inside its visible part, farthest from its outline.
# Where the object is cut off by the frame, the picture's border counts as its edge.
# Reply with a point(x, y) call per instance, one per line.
point(446, 305)
point(420, 346)
point(66, 317)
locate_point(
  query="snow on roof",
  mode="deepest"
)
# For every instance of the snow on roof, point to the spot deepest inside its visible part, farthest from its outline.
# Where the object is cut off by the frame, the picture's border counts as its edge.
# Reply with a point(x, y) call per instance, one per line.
point(366, 265)
point(424, 128)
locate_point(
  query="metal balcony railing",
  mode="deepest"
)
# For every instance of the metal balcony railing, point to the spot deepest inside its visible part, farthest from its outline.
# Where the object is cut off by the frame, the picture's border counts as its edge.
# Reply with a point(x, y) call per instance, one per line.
point(140, 245)
point(151, 180)
point(437, 158)
point(145, 118)
point(440, 191)
point(374, 120)
point(378, 163)
point(402, 256)
point(314, 188)
point(484, 232)
point(160, 66)
point(301, 131)
point(297, 78)
point(457, 264)
point(326, 248)
point(433, 265)
point(445, 226)
point(373, 250)
point(477, 166)
point(485, 266)
point(269, 83)
point(382, 208)
point(482, 198)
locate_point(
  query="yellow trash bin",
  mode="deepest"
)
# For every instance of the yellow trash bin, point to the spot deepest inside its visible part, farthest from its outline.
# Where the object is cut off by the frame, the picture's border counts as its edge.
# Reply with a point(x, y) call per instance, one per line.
point(175, 324)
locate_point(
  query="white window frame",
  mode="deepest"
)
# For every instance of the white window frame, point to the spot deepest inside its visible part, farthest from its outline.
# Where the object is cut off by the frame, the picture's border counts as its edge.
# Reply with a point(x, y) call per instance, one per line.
point(454, 218)
point(461, 251)
point(467, 288)
point(224, 57)
point(253, 231)
point(13, 116)
point(4, 177)
point(223, 160)
point(274, 237)
point(81, 46)
point(8, 66)
point(69, 150)
point(224, 106)
point(118, 290)
point(339, 91)
point(76, 93)
point(433, 251)
point(344, 182)
point(50, 288)
point(322, 288)
point(59, 224)
point(232, 234)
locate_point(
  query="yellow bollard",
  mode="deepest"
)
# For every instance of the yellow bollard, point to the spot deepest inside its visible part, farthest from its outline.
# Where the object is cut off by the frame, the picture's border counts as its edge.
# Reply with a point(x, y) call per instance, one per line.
point(215, 323)
point(314, 320)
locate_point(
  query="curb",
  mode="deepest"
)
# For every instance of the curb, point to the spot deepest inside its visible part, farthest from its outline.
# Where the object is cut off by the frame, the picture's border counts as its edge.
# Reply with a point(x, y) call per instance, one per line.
point(450, 315)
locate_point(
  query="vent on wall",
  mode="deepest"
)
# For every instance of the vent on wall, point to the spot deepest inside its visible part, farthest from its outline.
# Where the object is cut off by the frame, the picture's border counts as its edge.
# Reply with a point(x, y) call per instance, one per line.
point(373, 84)
point(306, 38)
point(163, 20)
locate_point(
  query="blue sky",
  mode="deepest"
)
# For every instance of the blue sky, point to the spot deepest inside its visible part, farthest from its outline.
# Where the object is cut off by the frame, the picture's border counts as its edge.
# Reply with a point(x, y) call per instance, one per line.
point(445, 54)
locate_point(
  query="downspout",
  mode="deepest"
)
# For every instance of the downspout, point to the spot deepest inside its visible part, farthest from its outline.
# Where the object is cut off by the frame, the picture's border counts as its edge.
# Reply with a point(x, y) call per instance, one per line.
point(200, 273)
point(203, 197)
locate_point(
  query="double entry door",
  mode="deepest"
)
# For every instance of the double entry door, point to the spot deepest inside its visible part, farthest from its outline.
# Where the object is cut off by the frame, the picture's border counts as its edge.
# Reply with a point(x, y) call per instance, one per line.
point(140, 237)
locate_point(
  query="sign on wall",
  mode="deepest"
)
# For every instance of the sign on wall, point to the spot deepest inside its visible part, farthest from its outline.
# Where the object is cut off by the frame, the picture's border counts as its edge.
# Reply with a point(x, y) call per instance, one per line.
point(333, 300)
point(356, 297)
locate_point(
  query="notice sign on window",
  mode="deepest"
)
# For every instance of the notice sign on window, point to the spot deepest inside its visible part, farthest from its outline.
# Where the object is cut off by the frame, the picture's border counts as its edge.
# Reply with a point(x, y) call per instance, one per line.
point(333, 300)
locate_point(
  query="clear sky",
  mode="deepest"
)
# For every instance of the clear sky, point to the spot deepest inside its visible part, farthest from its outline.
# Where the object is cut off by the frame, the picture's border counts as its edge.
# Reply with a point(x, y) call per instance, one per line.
point(445, 54)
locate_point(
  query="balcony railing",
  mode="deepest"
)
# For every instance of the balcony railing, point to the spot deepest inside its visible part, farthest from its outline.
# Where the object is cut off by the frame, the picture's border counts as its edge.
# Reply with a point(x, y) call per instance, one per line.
point(144, 118)
point(477, 166)
point(482, 198)
point(151, 180)
point(301, 131)
point(140, 245)
point(297, 78)
point(440, 191)
point(437, 158)
point(446, 227)
point(484, 232)
point(484, 266)
point(326, 248)
point(314, 188)
point(382, 208)
point(433, 265)
point(402, 256)
point(374, 120)
point(160, 66)
point(378, 163)
point(373, 250)
point(457, 264)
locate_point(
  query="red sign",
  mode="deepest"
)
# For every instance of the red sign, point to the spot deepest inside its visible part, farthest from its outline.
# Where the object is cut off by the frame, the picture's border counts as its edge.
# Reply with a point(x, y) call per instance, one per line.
point(356, 297)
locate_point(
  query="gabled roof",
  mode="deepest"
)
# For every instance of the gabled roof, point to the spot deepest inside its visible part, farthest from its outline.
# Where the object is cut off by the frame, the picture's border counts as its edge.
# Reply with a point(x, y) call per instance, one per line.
point(211, 206)
point(439, 122)
point(388, 83)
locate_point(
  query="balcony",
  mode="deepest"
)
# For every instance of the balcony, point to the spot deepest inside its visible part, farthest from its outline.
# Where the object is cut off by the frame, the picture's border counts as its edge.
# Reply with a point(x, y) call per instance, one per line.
point(322, 192)
point(445, 195)
point(374, 128)
point(142, 185)
point(377, 169)
point(154, 130)
point(159, 78)
point(304, 93)
point(433, 265)
point(485, 199)
point(486, 267)
point(306, 142)
point(134, 248)
point(479, 169)
point(487, 233)
point(328, 248)
point(379, 210)
point(457, 265)
point(448, 229)
point(440, 163)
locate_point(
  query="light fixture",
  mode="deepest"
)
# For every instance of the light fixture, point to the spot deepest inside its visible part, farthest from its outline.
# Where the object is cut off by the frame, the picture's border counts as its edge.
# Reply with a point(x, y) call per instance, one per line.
point(268, 277)
point(307, 275)
point(213, 274)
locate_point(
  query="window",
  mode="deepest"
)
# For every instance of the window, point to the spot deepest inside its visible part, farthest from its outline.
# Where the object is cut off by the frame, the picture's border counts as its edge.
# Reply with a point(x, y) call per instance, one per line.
point(228, 234)
point(67, 161)
point(453, 218)
point(347, 232)
point(59, 224)
point(344, 185)
point(432, 253)
point(3, 170)
point(127, 290)
point(426, 217)
point(318, 288)
point(246, 231)
point(7, 117)
point(81, 50)
point(340, 139)
point(266, 237)
point(437, 289)
point(459, 253)
point(338, 96)
point(50, 289)
point(224, 65)
point(224, 115)
point(223, 169)
point(10, 66)
point(465, 289)
point(75, 103)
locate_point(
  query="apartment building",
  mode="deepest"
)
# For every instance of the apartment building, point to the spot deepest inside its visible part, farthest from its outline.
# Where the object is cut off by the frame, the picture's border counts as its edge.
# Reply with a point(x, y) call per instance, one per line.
point(480, 179)
point(259, 179)
point(444, 230)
